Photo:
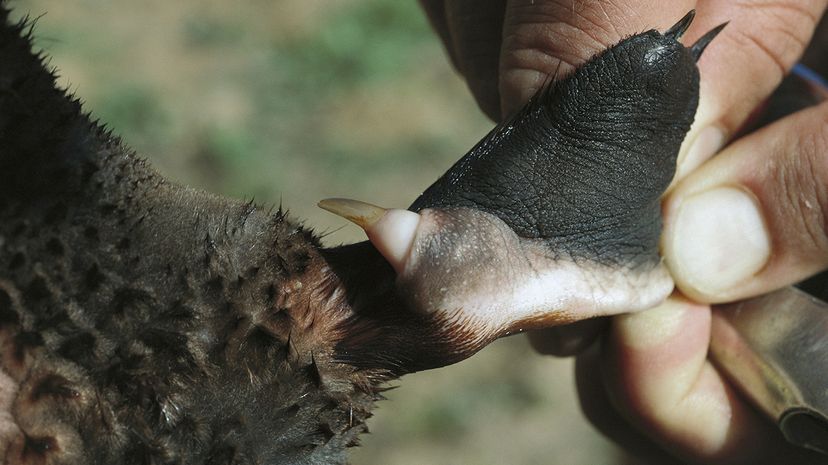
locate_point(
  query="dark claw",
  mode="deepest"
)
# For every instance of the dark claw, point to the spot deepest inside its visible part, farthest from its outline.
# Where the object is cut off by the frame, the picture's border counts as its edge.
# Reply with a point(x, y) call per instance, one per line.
point(680, 27)
point(697, 48)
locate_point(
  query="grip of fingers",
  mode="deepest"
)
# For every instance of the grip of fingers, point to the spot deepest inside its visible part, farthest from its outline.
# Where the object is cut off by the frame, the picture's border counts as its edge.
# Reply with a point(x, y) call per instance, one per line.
point(754, 218)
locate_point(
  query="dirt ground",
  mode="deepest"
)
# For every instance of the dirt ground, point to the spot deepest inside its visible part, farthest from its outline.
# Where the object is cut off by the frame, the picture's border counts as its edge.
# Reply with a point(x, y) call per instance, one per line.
point(293, 101)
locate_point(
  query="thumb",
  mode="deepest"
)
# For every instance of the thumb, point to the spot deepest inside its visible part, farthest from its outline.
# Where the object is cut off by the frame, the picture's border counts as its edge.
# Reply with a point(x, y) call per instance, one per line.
point(753, 219)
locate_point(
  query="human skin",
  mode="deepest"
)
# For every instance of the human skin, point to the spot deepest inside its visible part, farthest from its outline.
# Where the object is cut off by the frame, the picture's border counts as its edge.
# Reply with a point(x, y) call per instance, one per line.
point(768, 185)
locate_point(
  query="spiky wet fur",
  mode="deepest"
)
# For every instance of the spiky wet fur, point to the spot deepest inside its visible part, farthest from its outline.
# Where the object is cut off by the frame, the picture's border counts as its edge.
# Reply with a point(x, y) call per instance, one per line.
point(142, 322)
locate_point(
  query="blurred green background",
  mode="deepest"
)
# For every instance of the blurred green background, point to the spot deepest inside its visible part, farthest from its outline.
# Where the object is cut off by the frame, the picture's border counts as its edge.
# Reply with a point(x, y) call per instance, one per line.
point(297, 100)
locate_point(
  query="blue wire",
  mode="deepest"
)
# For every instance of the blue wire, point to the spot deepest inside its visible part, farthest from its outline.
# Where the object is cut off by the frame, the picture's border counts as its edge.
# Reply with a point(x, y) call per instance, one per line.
point(809, 75)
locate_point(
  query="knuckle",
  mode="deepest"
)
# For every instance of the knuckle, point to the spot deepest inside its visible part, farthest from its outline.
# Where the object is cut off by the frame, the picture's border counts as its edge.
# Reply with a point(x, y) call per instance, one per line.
point(802, 192)
point(546, 35)
point(543, 47)
point(813, 175)
point(779, 30)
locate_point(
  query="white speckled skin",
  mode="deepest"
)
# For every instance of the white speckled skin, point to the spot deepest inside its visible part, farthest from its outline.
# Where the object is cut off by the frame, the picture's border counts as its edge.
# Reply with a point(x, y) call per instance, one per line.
point(471, 267)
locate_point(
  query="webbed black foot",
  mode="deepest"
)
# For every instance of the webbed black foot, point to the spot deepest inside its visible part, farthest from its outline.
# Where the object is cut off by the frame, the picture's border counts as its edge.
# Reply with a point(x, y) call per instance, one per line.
point(555, 215)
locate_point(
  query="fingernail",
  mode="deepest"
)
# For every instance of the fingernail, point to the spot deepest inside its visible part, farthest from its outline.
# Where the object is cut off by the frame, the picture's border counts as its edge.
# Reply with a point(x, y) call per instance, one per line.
point(719, 239)
point(708, 141)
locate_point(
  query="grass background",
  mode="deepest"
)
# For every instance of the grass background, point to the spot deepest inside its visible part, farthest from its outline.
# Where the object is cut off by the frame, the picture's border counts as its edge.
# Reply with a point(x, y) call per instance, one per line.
point(297, 100)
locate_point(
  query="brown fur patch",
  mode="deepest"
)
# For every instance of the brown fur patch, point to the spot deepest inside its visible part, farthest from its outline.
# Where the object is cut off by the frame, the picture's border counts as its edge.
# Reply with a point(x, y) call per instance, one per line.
point(8, 426)
point(541, 321)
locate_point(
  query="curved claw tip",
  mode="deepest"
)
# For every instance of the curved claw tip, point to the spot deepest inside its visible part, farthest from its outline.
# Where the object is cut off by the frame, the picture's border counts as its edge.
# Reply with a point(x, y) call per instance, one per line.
point(681, 26)
point(698, 48)
point(363, 214)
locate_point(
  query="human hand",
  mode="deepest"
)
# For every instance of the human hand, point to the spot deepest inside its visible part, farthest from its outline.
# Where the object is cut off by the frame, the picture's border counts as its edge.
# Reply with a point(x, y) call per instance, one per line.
point(758, 224)
point(769, 213)
point(650, 387)
point(507, 49)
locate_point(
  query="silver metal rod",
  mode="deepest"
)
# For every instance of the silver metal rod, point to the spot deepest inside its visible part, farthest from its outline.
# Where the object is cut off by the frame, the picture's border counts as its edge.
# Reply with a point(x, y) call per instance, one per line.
point(774, 348)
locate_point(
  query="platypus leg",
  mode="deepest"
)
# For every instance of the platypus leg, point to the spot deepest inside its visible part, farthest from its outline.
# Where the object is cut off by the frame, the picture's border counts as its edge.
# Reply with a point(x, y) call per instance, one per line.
point(554, 216)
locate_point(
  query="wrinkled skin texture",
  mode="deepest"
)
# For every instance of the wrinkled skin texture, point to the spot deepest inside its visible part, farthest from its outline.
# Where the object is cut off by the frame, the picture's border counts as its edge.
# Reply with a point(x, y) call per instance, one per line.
point(145, 322)
point(555, 215)
point(582, 168)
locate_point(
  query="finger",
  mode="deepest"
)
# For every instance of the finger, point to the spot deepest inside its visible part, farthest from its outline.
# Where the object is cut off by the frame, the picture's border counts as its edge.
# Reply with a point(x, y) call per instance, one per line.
point(544, 38)
point(658, 377)
point(566, 340)
point(754, 218)
point(476, 30)
point(758, 47)
point(597, 408)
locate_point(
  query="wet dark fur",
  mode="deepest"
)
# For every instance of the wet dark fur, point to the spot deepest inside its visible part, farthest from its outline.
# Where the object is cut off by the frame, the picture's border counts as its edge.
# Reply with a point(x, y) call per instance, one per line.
point(149, 323)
